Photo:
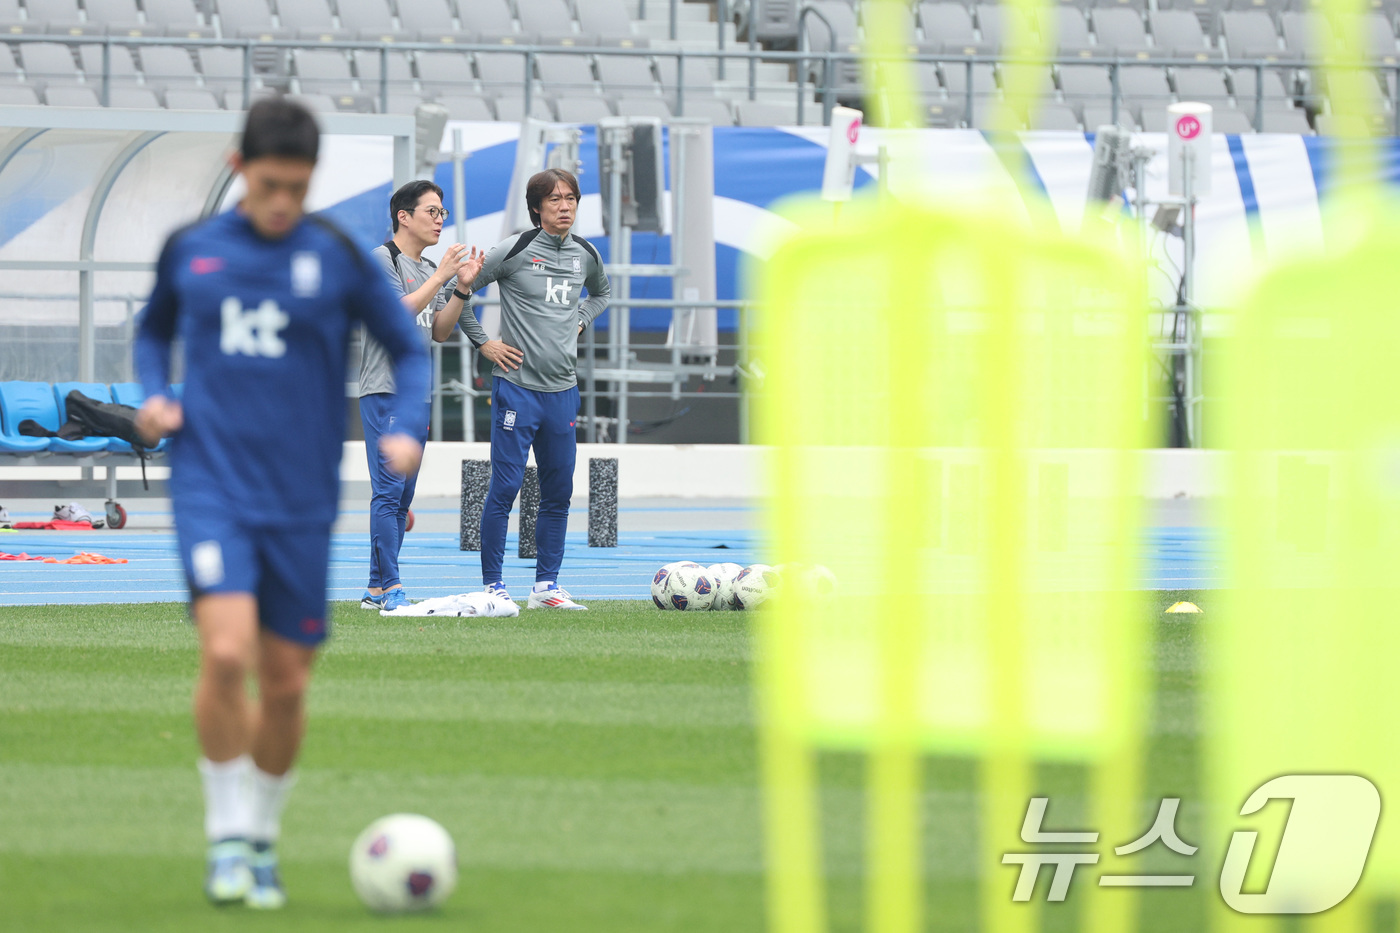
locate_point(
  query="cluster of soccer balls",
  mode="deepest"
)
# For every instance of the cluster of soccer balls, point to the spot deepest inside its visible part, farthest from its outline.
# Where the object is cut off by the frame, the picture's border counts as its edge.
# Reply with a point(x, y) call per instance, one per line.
point(686, 585)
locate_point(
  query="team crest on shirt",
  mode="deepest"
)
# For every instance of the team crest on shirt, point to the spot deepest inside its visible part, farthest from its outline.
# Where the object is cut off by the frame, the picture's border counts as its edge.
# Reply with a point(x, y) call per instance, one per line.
point(306, 275)
point(578, 265)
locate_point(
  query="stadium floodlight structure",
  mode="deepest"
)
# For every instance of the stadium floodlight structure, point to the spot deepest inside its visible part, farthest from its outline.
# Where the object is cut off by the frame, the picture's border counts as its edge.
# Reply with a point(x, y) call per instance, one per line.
point(102, 190)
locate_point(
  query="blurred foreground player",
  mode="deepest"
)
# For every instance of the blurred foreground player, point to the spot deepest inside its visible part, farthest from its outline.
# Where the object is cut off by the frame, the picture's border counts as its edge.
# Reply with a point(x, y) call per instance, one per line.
point(264, 299)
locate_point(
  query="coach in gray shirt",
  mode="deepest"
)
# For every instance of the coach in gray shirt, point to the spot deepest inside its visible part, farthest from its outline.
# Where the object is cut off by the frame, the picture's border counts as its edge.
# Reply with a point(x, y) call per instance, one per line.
point(541, 274)
point(417, 215)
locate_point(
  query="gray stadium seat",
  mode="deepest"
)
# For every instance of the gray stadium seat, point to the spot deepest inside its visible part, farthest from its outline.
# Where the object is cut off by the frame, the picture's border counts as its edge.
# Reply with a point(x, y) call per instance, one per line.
point(501, 72)
point(1143, 83)
point(316, 103)
point(773, 21)
point(366, 63)
point(171, 13)
point(628, 75)
point(1286, 120)
point(71, 95)
point(1243, 85)
point(445, 68)
point(122, 66)
point(1139, 5)
point(1177, 31)
point(984, 80)
point(545, 19)
point(947, 24)
point(1231, 121)
point(487, 17)
point(1249, 34)
point(323, 71)
point(699, 73)
point(606, 19)
point(221, 67)
point(111, 12)
point(1068, 27)
point(1053, 116)
point(404, 102)
point(467, 108)
point(714, 109)
point(47, 60)
point(238, 15)
point(1206, 85)
point(1379, 35)
point(132, 98)
point(581, 109)
point(162, 64)
point(994, 22)
point(1085, 83)
point(1120, 29)
point(9, 11)
point(648, 107)
point(840, 25)
point(906, 17)
point(1307, 33)
point(1267, 6)
point(943, 114)
point(53, 11)
point(21, 95)
point(304, 14)
point(367, 17)
point(432, 17)
point(191, 98)
point(1097, 115)
point(512, 109)
point(565, 75)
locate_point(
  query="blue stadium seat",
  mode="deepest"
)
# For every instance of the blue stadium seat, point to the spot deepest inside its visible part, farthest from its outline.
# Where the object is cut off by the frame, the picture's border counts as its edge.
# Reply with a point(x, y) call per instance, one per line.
point(95, 391)
point(15, 405)
point(131, 393)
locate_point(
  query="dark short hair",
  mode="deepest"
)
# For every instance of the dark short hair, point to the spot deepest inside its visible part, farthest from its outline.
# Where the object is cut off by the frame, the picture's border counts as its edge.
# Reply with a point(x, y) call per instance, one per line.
point(542, 184)
point(406, 198)
point(276, 126)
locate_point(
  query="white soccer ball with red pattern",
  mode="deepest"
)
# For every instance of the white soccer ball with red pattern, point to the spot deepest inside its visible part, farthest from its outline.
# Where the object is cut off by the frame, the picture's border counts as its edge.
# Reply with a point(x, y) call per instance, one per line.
point(402, 863)
point(689, 589)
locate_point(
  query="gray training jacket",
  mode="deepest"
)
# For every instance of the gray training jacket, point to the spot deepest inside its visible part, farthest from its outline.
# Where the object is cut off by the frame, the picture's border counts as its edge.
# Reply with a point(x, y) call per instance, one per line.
point(541, 278)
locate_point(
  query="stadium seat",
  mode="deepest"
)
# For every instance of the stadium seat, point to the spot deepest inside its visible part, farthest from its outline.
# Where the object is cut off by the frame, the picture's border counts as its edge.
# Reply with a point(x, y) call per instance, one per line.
point(984, 82)
point(221, 67)
point(121, 65)
point(1243, 84)
point(647, 107)
point(367, 18)
point(71, 95)
point(48, 61)
point(236, 16)
point(366, 63)
point(447, 69)
point(465, 108)
point(1231, 121)
point(1097, 115)
point(626, 75)
point(1307, 33)
point(172, 13)
point(1285, 120)
point(18, 401)
point(605, 19)
point(500, 72)
point(1144, 84)
point(1177, 32)
point(323, 71)
point(1053, 116)
point(714, 109)
point(1083, 84)
point(943, 114)
point(98, 392)
point(9, 11)
point(1120, 29)
point(53, 11)
point(1250, 34)
point(1067, 26)
point(133, 98)
point(316, 103)
point(191, 98)
point(162, 64)
point(1139, 5)
point(994, 23)
point(947, 25)
point(36, 400)
point(487, 18)
point(427, 17)
point(512, 109)
point(19, 95)
point(1206, 85)
point(1379, 33)
point(566, 75)
point(579, 109)
point(304, 14)
point(545, 19)
point(839, 26)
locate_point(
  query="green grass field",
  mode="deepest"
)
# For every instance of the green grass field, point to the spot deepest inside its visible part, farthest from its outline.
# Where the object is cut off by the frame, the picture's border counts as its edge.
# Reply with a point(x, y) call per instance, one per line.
point(598, 771)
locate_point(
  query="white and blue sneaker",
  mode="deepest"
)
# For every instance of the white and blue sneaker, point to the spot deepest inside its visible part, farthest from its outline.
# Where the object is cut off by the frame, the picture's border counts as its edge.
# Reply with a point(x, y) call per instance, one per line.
point(498, 590)
point(230, 876)
point(266, 892)
point(551, 597)
point(389, 599)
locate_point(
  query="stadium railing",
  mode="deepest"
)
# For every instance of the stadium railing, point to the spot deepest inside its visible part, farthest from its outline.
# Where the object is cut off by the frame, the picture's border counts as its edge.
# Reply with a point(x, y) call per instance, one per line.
point(832, 61)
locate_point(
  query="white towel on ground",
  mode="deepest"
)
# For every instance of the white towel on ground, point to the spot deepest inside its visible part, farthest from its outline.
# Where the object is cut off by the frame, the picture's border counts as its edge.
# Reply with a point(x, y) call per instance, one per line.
point(464, 604)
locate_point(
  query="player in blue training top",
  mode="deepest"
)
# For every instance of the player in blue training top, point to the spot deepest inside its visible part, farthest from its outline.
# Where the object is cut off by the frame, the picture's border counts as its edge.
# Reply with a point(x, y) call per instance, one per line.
point(264, 299)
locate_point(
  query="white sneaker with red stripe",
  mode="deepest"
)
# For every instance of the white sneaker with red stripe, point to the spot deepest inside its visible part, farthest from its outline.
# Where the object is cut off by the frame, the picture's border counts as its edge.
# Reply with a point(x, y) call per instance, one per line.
point(551, 597)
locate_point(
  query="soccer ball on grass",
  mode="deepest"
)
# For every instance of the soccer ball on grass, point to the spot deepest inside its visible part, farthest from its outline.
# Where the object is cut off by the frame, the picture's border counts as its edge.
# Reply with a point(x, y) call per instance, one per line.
point(403, 863)
point(722, 576)
point(658, 582)
point(689, 588)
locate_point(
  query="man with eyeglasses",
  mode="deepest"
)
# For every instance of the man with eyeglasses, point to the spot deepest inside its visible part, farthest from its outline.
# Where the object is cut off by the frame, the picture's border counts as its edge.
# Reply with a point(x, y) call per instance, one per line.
point(425, 289)
point(541, 274)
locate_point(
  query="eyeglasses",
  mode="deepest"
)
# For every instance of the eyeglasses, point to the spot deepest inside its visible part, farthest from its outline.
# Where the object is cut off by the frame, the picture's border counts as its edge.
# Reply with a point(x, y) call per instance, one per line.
point(436, 213)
